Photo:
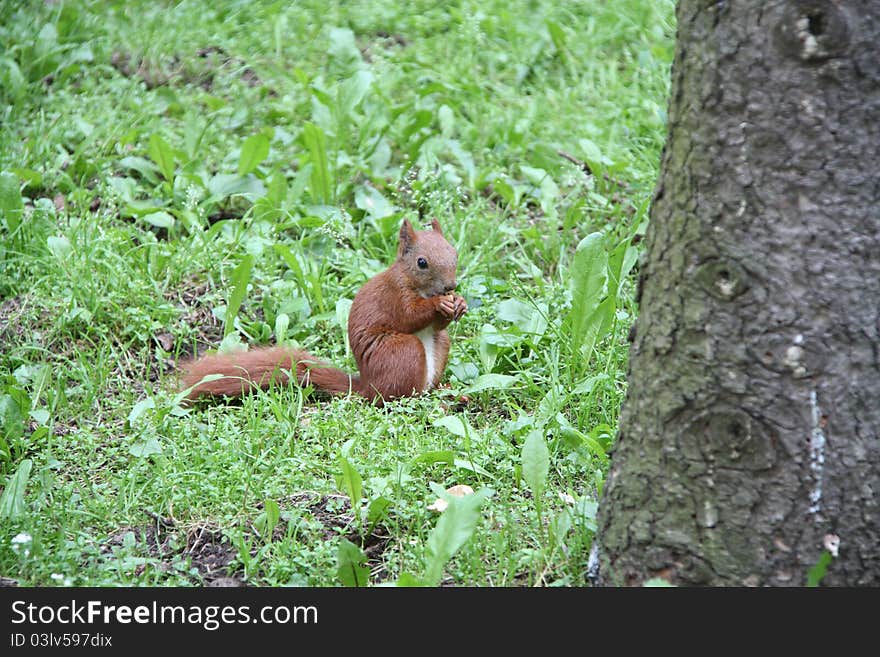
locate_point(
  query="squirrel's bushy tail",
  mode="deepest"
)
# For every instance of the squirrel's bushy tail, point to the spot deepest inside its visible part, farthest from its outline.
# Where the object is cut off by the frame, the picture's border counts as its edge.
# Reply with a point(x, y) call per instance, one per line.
point(259, 368)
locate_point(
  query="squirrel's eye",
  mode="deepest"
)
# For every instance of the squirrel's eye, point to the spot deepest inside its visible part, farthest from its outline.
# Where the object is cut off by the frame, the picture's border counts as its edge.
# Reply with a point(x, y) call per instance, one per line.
point(422, 263)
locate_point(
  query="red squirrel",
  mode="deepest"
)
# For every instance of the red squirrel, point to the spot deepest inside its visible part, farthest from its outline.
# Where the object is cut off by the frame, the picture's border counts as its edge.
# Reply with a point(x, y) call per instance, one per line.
point(396, 329)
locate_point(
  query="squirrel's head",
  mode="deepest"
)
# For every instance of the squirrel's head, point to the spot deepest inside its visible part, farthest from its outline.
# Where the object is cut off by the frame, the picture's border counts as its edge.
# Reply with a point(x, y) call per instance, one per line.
point(427, 259)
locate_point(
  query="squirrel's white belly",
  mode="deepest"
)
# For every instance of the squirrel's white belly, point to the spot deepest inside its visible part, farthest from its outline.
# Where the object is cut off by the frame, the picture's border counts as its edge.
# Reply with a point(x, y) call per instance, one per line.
point(426, 335)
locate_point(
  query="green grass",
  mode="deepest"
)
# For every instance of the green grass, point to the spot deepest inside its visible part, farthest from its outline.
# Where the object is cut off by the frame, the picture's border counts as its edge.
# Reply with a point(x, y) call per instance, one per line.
point(149, 147)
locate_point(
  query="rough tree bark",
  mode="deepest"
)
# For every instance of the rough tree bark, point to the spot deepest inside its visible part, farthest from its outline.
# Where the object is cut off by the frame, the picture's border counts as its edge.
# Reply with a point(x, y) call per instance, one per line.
point(750, 436)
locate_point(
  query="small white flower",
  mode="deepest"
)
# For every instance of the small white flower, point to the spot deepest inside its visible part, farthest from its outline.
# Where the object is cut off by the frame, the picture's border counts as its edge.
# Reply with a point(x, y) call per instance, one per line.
point(57, 577)
point(20, 541)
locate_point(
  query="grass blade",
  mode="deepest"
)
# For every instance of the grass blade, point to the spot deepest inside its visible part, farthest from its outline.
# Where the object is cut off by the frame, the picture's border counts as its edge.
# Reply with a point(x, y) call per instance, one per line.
point(350, 481)
point(240, 279)
point(316, 143)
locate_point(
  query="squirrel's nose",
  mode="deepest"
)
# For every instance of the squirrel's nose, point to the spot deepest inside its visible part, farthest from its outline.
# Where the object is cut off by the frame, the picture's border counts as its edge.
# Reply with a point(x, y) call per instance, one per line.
point(450, 288)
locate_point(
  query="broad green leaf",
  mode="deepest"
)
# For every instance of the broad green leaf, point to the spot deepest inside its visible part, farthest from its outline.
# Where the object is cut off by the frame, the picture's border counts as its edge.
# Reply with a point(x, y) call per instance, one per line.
point(292, 262)
point(514, 311)
point(350, 564)
point(589, 274)
point(351, 92)
point(224, 185)
point(25, 374)
point(351, 483)
point(560, 525)
point(490, 382)
point(47, 39)
point(240, 279)
point(464, 372)
point(343, 47)
point(11, 204)
point(586, 386)
point(576, 439)
point(465, 159)
point(320, 182)
point(14, 408)
point(371, 201)
point(506, 191)
point(140, 408)
point(12, 504)
point(229, 345)
point(377, 510)
point(547, 189)
point(126, 188)
point(446, 118)
point(597, 325)
point(493, 336)
point(282, 322)
point(418, 120)
point(492, 341)
point(276, 193)
point(466, 464)
point(592, 153)
point(159, 219)
point(144, 448)
point(162, 154)
point(454, 424)
point(535, 462)
point(409, 580)
point(488, 353)
point(40, 416)
point(524, 421)
point(585, 511)
point(525, 316)
point(59, 246)
point(29, 177)
point(143, 166)
point(455, 526)
point(254, 150)
point(11, 78)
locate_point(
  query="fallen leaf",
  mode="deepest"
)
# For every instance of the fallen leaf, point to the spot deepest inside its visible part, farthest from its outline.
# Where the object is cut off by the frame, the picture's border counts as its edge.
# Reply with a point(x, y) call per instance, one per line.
point(166, 341)
point(459, 490)
point(439, 505)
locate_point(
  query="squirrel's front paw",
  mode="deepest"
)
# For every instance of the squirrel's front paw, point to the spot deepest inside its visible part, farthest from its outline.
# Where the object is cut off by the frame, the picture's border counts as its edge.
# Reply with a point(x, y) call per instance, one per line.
point(446, 306)
point(460, 307)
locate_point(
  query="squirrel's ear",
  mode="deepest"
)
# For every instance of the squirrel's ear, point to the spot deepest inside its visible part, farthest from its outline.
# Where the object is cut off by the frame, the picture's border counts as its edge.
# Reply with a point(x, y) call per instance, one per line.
point(435, 226)
point(407, 237)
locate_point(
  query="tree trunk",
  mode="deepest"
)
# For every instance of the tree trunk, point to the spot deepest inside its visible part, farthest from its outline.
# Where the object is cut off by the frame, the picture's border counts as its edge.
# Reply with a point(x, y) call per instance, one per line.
point(750, 436)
